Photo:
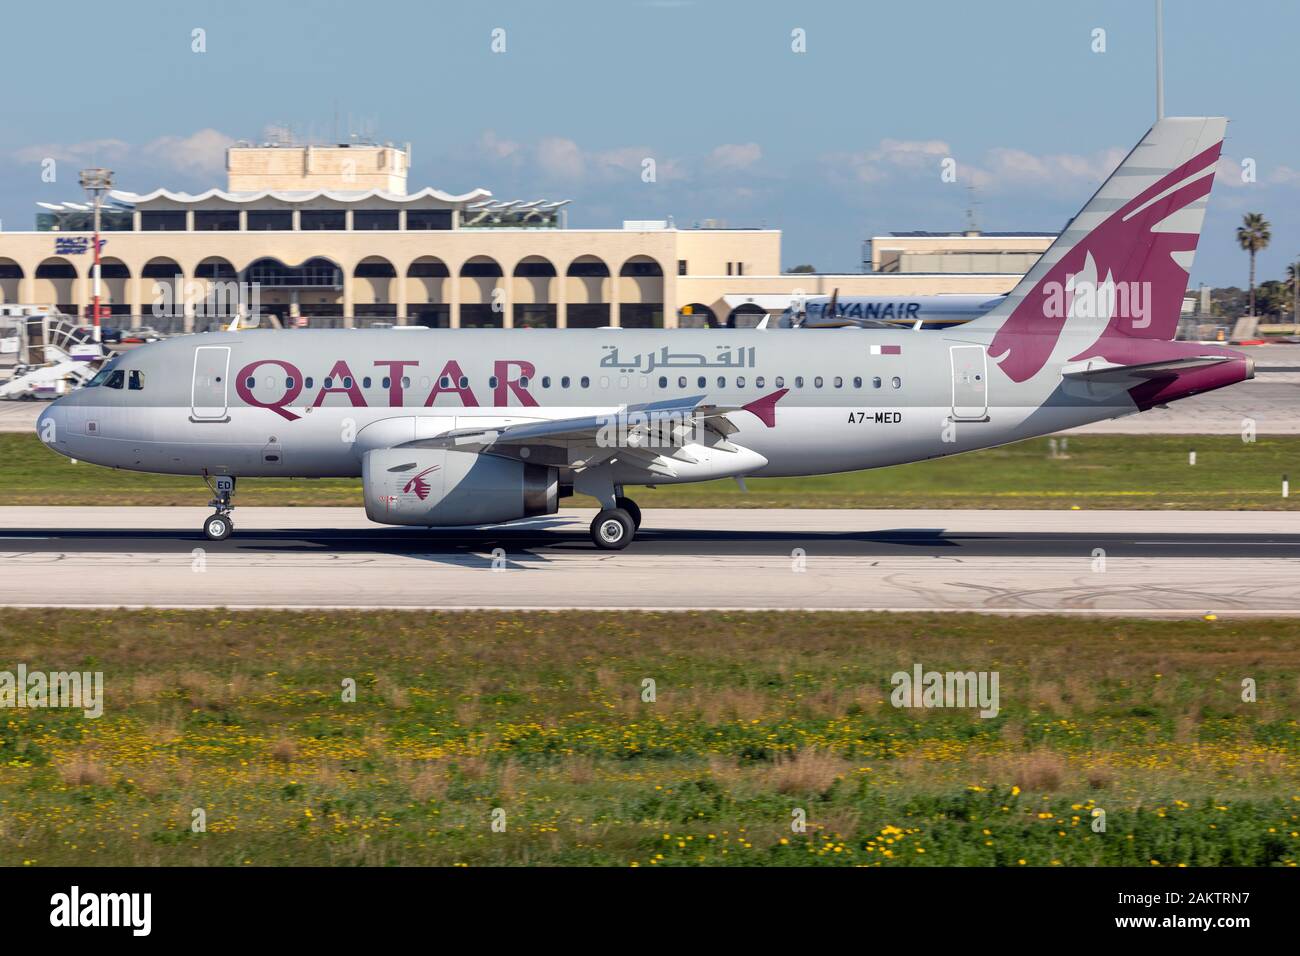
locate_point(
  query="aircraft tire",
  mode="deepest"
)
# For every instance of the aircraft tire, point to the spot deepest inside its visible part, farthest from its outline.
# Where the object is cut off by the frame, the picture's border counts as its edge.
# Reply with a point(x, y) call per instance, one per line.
point(218, 527)
point(630, 506)
point(613, 529)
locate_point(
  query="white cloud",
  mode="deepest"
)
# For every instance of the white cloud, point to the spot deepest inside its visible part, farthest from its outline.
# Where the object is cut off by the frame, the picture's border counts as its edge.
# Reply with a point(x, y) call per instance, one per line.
point(1004, 167)
point(733, 156)
point(200, 153)
point(998, 168)
point(84, 153)
point(558, 158)
point(890, 157)
point(561, 158)
point(496, 147)
point(1282, 175)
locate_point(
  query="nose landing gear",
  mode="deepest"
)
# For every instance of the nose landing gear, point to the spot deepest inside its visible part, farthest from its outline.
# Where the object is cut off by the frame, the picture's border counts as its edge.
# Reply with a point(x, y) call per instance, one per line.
point(219, 525)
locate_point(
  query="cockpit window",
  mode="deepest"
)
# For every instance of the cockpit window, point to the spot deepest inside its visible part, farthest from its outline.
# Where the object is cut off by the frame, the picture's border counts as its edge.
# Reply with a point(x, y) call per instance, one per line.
point(102, 376)
point(135, 380)
point(115, 378)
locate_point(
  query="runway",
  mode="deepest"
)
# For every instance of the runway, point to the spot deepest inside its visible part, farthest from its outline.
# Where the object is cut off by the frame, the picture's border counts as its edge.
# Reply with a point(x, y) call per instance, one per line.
point(1078, 562)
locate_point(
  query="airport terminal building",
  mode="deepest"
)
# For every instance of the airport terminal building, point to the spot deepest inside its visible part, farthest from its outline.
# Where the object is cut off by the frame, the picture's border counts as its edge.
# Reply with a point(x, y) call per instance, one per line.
point(331, 236)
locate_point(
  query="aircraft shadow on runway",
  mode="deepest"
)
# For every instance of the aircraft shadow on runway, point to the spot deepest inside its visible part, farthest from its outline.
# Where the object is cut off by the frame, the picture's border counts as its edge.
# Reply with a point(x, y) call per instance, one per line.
point(529, 544)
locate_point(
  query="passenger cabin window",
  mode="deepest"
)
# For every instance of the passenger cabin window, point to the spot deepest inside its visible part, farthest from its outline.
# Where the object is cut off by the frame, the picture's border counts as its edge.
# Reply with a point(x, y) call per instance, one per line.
point(798, 381)
point(875, 382)
point(681, 381)
point(780, 381)
point(492, 381)
point(702, 383)
point(857, 381)
point(135, 380)
point(722, 381)
point(896, 382)
point(546, 381)
point(740, 381)
point(564, 382)
point(839, 382)
point(759, 380)
point(817, 382)
point(585, 381)
point(663, 381)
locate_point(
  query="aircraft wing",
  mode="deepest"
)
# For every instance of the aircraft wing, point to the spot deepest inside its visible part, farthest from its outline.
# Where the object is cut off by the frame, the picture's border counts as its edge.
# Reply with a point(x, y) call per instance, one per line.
point(633, 432)
point(560, 429)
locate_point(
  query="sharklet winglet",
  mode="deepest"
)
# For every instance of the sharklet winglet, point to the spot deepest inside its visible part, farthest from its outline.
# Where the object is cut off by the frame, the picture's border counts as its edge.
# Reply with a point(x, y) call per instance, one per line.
point(765, 408)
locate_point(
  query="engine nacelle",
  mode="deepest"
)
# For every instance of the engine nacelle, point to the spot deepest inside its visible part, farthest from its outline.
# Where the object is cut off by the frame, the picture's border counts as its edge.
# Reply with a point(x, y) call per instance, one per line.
point(440, 487)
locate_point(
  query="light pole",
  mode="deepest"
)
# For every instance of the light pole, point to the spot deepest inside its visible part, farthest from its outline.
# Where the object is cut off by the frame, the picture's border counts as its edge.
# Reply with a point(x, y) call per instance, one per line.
point(1160, 60)
point(96, 182)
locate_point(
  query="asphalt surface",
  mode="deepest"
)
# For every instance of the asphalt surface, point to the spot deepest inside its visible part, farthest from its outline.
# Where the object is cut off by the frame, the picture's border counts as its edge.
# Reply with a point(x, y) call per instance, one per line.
point(565, 536)
point(1144, 563)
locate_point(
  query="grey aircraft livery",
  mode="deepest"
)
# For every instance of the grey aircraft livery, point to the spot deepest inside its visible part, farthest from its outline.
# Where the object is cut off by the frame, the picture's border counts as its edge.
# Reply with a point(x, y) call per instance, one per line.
point(478, 427)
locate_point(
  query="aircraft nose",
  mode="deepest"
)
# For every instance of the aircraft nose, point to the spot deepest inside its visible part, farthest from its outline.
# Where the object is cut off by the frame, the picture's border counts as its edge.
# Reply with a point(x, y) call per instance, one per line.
point(51, 424)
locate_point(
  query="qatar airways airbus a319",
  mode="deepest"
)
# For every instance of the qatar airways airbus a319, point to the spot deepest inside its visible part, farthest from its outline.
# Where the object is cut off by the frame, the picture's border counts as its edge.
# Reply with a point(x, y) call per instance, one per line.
point(475, 427)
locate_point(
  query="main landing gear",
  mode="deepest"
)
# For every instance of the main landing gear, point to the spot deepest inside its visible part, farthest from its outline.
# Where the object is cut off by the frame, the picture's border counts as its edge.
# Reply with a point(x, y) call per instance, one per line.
point(614, 528)
point(219, 525)
point(628, 505)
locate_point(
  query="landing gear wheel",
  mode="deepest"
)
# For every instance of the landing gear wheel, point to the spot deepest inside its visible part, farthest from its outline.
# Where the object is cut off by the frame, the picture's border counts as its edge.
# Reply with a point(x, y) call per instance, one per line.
point(218, 527)
point(630, 506)
point(613, 529)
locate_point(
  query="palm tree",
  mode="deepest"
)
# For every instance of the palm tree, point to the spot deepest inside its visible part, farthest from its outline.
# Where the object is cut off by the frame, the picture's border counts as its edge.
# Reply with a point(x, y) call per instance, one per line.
point(1293, 279)
point(1253, 235)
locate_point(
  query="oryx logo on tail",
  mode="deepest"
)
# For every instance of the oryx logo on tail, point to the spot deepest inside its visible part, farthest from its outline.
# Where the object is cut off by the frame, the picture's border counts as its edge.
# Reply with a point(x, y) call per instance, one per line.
point(1119, 271)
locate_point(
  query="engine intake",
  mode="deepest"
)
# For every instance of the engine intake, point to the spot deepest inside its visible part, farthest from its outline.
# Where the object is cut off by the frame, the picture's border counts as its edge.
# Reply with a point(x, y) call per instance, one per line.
point(440, 487)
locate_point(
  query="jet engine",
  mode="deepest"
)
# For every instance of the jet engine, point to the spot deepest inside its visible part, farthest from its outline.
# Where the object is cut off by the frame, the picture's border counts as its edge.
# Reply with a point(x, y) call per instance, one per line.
point(441, 487)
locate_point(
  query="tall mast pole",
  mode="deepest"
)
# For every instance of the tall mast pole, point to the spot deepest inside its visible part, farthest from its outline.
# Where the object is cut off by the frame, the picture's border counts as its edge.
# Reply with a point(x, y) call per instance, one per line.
point(1160, 60)
point(96, 182)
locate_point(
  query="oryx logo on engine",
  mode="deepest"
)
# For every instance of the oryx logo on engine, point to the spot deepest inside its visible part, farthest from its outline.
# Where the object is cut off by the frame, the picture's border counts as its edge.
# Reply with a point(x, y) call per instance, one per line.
point(418, 485)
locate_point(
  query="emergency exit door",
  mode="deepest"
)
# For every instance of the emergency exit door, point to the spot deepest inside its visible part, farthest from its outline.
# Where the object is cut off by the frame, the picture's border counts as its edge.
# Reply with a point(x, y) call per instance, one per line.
point(970, 383)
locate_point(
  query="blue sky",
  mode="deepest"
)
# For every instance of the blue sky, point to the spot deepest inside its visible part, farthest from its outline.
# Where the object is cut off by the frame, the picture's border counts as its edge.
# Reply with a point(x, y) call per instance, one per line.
point(830, 145)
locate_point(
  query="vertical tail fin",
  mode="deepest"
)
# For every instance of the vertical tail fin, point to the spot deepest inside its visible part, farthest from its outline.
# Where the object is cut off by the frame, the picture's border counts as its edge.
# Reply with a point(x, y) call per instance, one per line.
point(1119, 270)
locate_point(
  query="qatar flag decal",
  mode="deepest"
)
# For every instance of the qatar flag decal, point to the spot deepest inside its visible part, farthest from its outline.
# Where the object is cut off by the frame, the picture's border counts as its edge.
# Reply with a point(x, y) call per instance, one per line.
point(886, 350)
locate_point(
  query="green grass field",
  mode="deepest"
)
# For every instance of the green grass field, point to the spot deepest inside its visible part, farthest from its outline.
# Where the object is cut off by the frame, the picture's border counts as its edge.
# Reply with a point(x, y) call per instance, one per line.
point(1100, 472)
point(540, 720)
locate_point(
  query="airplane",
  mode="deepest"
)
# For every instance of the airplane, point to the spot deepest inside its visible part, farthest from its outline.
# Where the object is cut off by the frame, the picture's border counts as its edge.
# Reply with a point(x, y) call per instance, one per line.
point(865, 311)
point(481, 427)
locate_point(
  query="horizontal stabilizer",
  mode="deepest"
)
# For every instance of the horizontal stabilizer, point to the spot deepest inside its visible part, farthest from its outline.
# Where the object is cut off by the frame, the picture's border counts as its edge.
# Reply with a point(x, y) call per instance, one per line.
point(1096, 370)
